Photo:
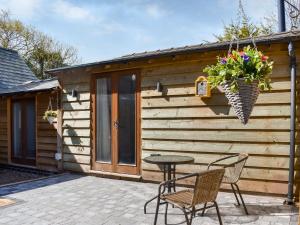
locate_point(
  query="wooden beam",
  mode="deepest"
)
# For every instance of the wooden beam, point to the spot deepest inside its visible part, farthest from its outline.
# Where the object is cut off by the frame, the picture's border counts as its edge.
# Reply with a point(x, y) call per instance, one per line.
point(9, 137)
point(59, 132)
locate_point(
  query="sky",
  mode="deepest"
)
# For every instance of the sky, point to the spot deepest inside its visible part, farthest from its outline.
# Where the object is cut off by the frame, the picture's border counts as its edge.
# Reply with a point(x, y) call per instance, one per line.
point(104, 29)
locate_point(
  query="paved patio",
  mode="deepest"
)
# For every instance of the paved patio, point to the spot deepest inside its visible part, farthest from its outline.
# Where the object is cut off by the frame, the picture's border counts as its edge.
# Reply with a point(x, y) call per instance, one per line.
point(72, 199)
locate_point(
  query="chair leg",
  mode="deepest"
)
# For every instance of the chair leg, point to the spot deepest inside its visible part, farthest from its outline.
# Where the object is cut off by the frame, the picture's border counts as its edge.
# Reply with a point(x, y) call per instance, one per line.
point(188, 222)
point(203, 211)
point(157, 208)
point(193, 211)
point(191, 220)
point(166, 213)
point(241, 197)
point(145, 206)
point(236, 197)
point(218, 213)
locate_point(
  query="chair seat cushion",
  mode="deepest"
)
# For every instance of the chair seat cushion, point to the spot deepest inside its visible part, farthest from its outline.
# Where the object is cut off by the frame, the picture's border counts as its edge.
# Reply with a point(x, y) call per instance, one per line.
point(182, 198)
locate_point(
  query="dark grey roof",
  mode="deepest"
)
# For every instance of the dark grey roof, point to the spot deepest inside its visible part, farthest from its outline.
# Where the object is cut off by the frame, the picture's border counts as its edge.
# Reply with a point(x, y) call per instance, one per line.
point(31, 86)
point(278, 37)
point(13, 69)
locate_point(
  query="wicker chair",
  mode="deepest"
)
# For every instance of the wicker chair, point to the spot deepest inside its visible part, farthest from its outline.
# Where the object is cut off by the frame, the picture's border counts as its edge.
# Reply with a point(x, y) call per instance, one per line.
point(205, 190)
point(233, 173)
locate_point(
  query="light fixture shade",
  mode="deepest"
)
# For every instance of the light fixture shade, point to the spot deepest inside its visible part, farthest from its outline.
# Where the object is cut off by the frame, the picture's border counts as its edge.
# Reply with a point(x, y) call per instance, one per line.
point(74, 93)
point(159, 87)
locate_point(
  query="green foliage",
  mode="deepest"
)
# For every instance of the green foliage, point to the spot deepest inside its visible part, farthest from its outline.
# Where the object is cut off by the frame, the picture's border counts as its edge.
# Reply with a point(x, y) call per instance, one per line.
point(249, 64)
point(39, 51)
point(244, 28)
point(49, 113)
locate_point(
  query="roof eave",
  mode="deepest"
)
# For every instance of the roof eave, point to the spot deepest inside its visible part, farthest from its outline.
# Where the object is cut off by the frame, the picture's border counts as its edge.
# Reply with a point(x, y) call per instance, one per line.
point(276, 38)
point(27, 92)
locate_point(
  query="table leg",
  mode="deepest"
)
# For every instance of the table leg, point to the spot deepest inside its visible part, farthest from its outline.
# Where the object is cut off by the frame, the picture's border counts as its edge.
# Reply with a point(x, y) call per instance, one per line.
point(174, 176)
point(165, 173)
point(169, 170)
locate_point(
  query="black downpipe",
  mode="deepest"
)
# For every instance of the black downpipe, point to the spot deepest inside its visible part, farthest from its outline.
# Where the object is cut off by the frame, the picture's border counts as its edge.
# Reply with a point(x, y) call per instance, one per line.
point(281, 16)
point(291, 50)
point(290, 197)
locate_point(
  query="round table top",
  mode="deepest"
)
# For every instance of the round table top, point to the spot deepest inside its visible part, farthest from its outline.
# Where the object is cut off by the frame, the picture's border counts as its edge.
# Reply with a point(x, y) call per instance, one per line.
point(169, 159)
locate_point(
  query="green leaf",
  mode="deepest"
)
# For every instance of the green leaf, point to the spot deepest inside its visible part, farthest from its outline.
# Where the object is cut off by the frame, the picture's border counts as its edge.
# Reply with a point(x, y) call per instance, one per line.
point(236, 68)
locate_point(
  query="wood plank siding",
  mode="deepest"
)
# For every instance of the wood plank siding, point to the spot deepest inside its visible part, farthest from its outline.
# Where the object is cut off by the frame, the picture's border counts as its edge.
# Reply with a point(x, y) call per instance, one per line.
point(46, 142)
point(177, 122)
point(76, 123)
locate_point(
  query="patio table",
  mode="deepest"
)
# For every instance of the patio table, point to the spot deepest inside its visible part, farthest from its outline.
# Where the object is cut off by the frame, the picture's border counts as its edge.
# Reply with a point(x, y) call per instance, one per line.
point(168, 162)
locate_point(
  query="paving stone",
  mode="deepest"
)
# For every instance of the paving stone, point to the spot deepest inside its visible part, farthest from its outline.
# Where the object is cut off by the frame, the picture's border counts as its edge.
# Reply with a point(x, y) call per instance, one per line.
point(73, 199)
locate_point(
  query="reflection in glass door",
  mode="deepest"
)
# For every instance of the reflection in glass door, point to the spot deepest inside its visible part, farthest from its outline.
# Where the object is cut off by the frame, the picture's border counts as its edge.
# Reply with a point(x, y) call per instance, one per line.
point(17, 130)
point(126, 119)
point(104, 120)
point(23, 131)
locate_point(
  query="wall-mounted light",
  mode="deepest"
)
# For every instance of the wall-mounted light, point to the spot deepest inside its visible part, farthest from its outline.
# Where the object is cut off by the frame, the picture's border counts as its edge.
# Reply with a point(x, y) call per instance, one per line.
point(133, 77)
point(74, 93)
point(159, 87)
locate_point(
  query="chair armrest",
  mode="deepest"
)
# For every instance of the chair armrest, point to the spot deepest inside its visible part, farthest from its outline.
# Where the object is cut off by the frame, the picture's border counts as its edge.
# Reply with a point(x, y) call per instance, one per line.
point(165, 183)
point(219, 160)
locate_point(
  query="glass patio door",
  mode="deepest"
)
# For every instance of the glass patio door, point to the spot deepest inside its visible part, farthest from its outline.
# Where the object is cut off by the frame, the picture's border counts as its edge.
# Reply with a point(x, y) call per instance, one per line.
point(23, 131)
point(116, 122)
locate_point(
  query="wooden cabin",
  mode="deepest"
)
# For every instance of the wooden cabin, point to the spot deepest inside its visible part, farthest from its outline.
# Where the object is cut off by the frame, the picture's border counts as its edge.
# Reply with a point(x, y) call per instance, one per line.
point(113, 116)
point(25, 138)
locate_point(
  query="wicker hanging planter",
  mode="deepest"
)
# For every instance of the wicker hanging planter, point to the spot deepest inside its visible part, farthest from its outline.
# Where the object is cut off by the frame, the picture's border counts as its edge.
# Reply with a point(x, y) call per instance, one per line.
point(232, 71)
point(242, 100)
point(52, 119)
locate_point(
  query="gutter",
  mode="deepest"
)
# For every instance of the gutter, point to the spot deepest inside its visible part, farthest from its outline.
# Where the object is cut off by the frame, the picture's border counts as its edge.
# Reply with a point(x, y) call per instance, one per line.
point(27, 91)
point(290, 196)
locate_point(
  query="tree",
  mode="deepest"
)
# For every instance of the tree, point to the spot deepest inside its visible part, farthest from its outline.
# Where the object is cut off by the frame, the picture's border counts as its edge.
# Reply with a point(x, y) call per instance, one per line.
point(244, 28)
point(39, 51)
point(48, 53)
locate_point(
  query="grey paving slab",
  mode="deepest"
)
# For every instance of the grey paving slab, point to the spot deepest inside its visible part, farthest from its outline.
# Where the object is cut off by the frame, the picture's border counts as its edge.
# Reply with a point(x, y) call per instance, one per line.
point(73, 199)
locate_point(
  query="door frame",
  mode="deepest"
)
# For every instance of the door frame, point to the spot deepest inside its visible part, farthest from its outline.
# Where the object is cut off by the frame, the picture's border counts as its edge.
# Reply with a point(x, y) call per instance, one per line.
point(111, 167)
point(13, 160)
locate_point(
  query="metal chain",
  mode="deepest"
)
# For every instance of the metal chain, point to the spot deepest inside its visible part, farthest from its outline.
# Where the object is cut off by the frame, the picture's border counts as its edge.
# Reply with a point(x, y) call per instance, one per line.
point(230, 46)
point(49, 105)
point(253, 42)
point(236, 36)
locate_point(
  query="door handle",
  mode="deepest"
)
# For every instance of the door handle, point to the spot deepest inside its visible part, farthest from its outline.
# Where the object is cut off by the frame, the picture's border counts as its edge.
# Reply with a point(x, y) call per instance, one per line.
point(116, 124)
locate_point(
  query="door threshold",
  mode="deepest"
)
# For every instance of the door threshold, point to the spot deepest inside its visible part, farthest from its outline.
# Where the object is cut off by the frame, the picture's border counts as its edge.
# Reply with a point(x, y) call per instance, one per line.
point(22, 165)
point(119, 176)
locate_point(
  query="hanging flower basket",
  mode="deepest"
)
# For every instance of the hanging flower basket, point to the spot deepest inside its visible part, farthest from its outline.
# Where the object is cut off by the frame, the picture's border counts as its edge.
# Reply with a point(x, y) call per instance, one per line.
point(242, 74)
point(51, 116)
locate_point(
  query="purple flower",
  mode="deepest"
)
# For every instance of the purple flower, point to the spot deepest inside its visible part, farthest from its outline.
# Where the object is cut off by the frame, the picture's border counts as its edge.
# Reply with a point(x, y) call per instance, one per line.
point(223, 61)
point(245, 58)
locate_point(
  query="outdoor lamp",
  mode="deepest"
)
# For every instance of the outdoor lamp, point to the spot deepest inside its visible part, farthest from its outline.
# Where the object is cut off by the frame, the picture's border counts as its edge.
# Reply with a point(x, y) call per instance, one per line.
point(159, 87)
point(74, 93)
